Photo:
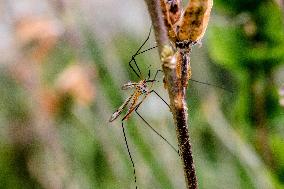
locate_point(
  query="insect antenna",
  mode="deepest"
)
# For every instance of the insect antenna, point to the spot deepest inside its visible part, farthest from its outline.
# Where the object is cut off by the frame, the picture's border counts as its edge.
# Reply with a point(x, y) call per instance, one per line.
point(212, 85)
point(131, 159)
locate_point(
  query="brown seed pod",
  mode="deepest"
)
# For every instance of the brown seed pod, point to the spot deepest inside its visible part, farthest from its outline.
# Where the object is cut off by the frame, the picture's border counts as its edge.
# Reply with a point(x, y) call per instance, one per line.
point(174, 9)
point(167, 21)
point(194, 20)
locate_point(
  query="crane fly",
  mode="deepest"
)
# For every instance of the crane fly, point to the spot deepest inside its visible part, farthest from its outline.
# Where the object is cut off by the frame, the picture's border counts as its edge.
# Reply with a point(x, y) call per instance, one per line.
point(142, 89)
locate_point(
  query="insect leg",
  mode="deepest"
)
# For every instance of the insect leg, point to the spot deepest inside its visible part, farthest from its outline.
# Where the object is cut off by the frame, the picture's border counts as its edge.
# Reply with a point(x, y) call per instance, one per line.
point(153, 91)
point(128, 150)
point(133, 60)
point(157, 74)
point(137, 53)
point(136, 65)
point(136, 110)
point(154, 79)
point(213, 85)
point(146, 50)
point(130, 65)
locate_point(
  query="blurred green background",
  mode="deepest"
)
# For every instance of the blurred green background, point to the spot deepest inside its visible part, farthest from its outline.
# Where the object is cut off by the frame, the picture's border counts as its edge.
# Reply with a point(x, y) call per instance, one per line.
point(61, 68)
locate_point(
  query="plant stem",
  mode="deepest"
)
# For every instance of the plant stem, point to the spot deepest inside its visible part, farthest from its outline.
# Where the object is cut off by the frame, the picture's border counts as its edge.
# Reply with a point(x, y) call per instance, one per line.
point(177, 94)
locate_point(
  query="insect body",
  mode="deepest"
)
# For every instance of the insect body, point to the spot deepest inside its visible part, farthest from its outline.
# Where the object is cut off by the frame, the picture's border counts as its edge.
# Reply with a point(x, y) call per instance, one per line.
point(142, 89)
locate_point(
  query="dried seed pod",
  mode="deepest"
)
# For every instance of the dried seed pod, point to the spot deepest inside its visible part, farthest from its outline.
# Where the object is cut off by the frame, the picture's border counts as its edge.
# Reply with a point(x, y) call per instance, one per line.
point(194, 20)
point(167, 21)
point(174, 9)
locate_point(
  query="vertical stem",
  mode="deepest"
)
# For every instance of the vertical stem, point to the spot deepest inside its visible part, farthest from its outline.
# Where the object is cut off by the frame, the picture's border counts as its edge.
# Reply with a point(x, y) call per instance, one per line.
point(185, 144)
point(176, 93)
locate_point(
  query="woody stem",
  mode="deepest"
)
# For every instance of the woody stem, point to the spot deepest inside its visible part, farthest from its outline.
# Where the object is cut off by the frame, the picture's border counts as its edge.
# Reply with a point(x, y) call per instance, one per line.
point(175, 91)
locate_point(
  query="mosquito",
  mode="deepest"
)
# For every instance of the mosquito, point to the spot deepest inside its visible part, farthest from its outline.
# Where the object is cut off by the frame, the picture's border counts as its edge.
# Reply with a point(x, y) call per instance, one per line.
point(142, 89)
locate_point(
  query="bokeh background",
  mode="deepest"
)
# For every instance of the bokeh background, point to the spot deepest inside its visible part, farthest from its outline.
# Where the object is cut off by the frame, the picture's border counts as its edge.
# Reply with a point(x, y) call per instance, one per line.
point(61, 68)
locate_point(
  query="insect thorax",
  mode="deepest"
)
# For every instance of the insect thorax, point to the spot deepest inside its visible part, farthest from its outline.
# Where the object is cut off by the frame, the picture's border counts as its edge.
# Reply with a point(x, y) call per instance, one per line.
point(142, 87)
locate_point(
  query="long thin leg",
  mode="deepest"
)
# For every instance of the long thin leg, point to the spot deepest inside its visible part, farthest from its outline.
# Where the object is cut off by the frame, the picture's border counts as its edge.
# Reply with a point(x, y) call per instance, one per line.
point(146, 50)
point(220, 87)
point(134, 61)
point(154, 79)
point(129, 63)
point(153, 91)
point(136, 110)
point(137, 53)
point(148, 37)
point(157, 74)
point(128, 150)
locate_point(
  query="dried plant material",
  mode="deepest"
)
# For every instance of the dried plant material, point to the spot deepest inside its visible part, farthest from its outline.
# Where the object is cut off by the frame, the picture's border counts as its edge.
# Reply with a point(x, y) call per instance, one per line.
point(184, 30)
point(171, 31)
point(186, 26)
point(185, 69)
point(168, 58)
point(175, 64)
point(77, 82)
point(174, 9)
point(194, 20)
point(37, 35)
point(178, 68)
point(179, 102)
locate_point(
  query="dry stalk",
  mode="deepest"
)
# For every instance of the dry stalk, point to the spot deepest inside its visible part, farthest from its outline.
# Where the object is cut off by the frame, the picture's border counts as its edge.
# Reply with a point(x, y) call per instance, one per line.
point(176, 31)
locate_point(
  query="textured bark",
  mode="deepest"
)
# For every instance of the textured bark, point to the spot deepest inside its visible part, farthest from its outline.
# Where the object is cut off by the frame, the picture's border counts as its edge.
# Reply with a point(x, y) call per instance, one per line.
point(175, 90)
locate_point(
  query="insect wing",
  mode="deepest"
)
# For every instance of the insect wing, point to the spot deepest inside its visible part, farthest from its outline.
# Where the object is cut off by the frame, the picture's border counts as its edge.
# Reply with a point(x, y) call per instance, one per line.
point(119, 110)
point(133, 104)
point(128, 85)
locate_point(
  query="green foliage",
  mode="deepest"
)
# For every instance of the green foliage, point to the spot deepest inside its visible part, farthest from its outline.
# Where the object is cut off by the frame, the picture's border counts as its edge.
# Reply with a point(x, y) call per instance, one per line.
point(251, 47)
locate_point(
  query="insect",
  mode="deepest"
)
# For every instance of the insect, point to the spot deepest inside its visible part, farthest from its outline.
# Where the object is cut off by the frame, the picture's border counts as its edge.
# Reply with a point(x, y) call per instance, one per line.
point(142, 89)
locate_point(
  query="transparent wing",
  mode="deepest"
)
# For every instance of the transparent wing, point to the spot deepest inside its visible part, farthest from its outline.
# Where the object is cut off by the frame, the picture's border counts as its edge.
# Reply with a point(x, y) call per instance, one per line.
point(119, 110)
point(129, 85)
point(133, 105)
